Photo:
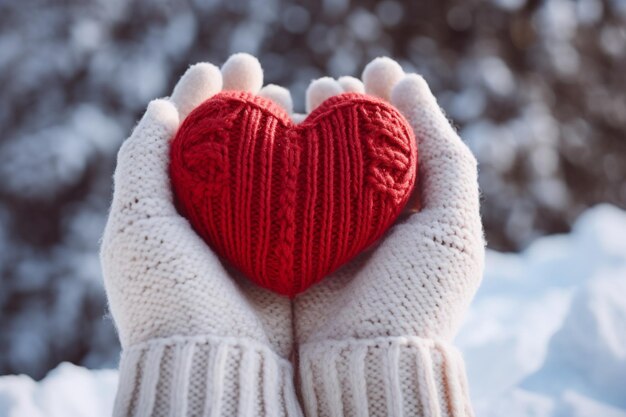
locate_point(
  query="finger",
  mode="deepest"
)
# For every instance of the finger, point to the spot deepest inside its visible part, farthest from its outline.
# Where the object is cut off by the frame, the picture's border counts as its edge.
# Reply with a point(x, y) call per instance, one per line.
point(200, 82)
point(242, 72)
point(351, 85)
point(319, 91)
point(141, 179)
point(278, 95)
point(380, 75)
point(447, 168)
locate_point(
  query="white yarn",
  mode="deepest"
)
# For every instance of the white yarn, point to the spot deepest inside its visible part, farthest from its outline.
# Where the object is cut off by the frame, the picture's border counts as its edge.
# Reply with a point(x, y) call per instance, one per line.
point(165, 382)
point(319, 90)
point(380, 75)
point(242, 72)
point(279, 95)
point(403, 301)
point(196, 337)
point(351, 84)
point(430, 385)
point(201, 80)
point(373, 339)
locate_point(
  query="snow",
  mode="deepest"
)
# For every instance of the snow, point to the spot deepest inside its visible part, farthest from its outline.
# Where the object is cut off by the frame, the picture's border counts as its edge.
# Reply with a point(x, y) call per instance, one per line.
point(545, 336)
point(47, 169)
point(536, 89)
point(67, 391)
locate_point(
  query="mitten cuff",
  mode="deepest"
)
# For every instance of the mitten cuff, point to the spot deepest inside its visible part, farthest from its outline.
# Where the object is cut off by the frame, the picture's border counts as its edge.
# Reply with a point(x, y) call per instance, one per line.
point(207, 376)
point(394, 376)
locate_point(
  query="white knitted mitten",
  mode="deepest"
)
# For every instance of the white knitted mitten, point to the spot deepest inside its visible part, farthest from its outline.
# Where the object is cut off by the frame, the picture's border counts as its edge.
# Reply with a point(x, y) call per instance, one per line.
point(197, 339)
point(374, 338)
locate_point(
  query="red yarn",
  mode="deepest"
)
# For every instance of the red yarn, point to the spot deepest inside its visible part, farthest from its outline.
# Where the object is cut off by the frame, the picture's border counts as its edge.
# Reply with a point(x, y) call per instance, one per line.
point(288, 204)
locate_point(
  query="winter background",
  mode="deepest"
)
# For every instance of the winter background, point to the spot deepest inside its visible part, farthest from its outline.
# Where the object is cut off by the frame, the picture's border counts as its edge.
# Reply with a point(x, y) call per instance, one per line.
point(537, 88)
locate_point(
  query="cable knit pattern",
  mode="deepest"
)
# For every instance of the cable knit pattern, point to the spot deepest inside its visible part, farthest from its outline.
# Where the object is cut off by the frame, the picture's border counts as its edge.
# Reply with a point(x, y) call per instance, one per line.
point(374, 339)
point(375, 336)
point(288, 204)
point(198, 339)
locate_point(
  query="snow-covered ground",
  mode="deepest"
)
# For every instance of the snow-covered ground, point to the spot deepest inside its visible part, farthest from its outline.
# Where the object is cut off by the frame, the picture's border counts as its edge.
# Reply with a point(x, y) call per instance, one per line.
point(67, 391)
point(546, 334)
point(545, 337)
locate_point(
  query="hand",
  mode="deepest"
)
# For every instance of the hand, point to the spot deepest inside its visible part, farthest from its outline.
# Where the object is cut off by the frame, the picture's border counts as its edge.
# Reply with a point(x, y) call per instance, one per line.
point(374, 336)
point(188, 325)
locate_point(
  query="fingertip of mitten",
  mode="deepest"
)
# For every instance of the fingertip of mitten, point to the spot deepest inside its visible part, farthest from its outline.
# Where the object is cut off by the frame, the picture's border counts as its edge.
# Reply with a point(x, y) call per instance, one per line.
point(242, 72)
point(380, 75)
point(320, 90)
point(162, 112)
point(351, 84)
point(410, 90)
point(278, 95)
point(200, 82)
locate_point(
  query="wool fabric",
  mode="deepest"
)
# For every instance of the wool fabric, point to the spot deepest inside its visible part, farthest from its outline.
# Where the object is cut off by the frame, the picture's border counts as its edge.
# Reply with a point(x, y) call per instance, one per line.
point(288, 204)
point(375, 337)
point(197, 339)
point(372, 340)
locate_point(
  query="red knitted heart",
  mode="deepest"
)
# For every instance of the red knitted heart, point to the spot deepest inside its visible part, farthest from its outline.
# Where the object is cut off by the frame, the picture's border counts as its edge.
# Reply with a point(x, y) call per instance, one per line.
point(287, 204)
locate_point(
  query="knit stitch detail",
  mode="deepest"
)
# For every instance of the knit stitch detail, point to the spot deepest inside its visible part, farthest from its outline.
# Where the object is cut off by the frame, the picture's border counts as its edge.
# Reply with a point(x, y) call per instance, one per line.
point(386, 376)
point(288, 204)
point(204, 376)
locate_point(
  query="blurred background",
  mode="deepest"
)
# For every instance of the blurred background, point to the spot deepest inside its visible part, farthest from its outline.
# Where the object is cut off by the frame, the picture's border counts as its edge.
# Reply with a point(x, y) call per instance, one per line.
point(535, 87)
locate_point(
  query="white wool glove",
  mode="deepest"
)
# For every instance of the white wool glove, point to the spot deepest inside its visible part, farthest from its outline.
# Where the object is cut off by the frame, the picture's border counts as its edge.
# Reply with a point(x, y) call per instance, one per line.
point(197, 339)
point(374, 337)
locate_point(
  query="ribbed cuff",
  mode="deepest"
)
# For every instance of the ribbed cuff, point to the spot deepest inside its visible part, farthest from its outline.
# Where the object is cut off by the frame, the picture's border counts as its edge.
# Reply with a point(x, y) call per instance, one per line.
point(204, 376)
point(391, 377)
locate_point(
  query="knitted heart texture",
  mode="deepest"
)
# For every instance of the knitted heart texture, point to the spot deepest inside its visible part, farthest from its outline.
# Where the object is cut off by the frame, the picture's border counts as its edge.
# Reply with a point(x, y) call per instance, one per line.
point(286, 203)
